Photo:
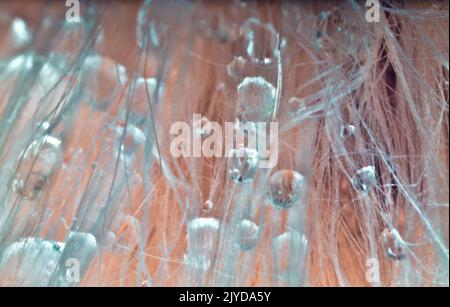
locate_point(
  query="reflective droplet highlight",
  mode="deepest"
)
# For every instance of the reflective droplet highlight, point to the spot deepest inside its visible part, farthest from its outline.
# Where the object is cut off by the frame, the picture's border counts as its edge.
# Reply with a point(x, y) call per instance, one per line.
point(396, 248)
point(256, 99)
point(202, 235)
point(37, 164)
point(247, 235)
point(242, 164)
point(364, 179)
point(285, 188)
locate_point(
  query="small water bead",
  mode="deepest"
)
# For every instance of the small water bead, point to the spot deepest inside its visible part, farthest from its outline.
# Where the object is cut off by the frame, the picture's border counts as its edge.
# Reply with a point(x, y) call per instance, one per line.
point(236, 68)
point(364, 179)
point(145, 91)
point(207, 206)
point(242, 164)
point(37, 164)
point(261, 41)
point(285, 188)
point(396, 248)
point(202, 127)
point(247, 235)
point(30, 262)
point(202, 235)
point(347, 131)
point(289, 247)
point(256, 99)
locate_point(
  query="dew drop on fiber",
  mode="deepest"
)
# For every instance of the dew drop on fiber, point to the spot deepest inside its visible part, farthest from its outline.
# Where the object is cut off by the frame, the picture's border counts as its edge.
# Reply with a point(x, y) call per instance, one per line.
point(247, 235)
point(395, 247)
point(202, 235)
point(256, 99)
point(285, 188)
point(242, 164)
point(364, 179)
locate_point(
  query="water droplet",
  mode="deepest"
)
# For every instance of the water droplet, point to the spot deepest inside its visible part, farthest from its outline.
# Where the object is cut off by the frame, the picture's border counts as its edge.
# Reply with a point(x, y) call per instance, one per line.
point(396, 248)
point(132, 142)
point(102, 79)
point(144, 90)
point(256, 99)
point(202, 235)
point(242, 164)
point(247, 235)
point(19, 31)
point(207, 206)
point(285, 188)
point(202, 127)
point(347, 131)
point(236, 68)
point(37, 164)
point(290, 248)
point(364, 179)
point(80, 248)
point(260, 40)
point(15, 34)
point(30, 262)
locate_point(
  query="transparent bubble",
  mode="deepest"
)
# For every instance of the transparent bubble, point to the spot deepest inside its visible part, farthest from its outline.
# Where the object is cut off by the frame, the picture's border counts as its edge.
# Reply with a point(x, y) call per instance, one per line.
point(261, 41)
point(242, 164)
point(202, 235)
point(396, 248)
point(285, 188)
point(30, 262)
point(364, 179)
point(290, 248)
point(247, 235)
point(256, 99)
point(38, 162)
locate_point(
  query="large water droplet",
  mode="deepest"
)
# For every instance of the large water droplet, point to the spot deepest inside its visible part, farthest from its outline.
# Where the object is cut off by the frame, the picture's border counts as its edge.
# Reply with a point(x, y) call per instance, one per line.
point(202, 235)
point(396, 248)
point(247, 235)
point(29, 262)
point(102, 79)
point(256, 99)
point(364, 179)
point(261, 41)
point(79, 250)
point(242, 164)
point(285, 188)
point(37, 164)
point(290, 248)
